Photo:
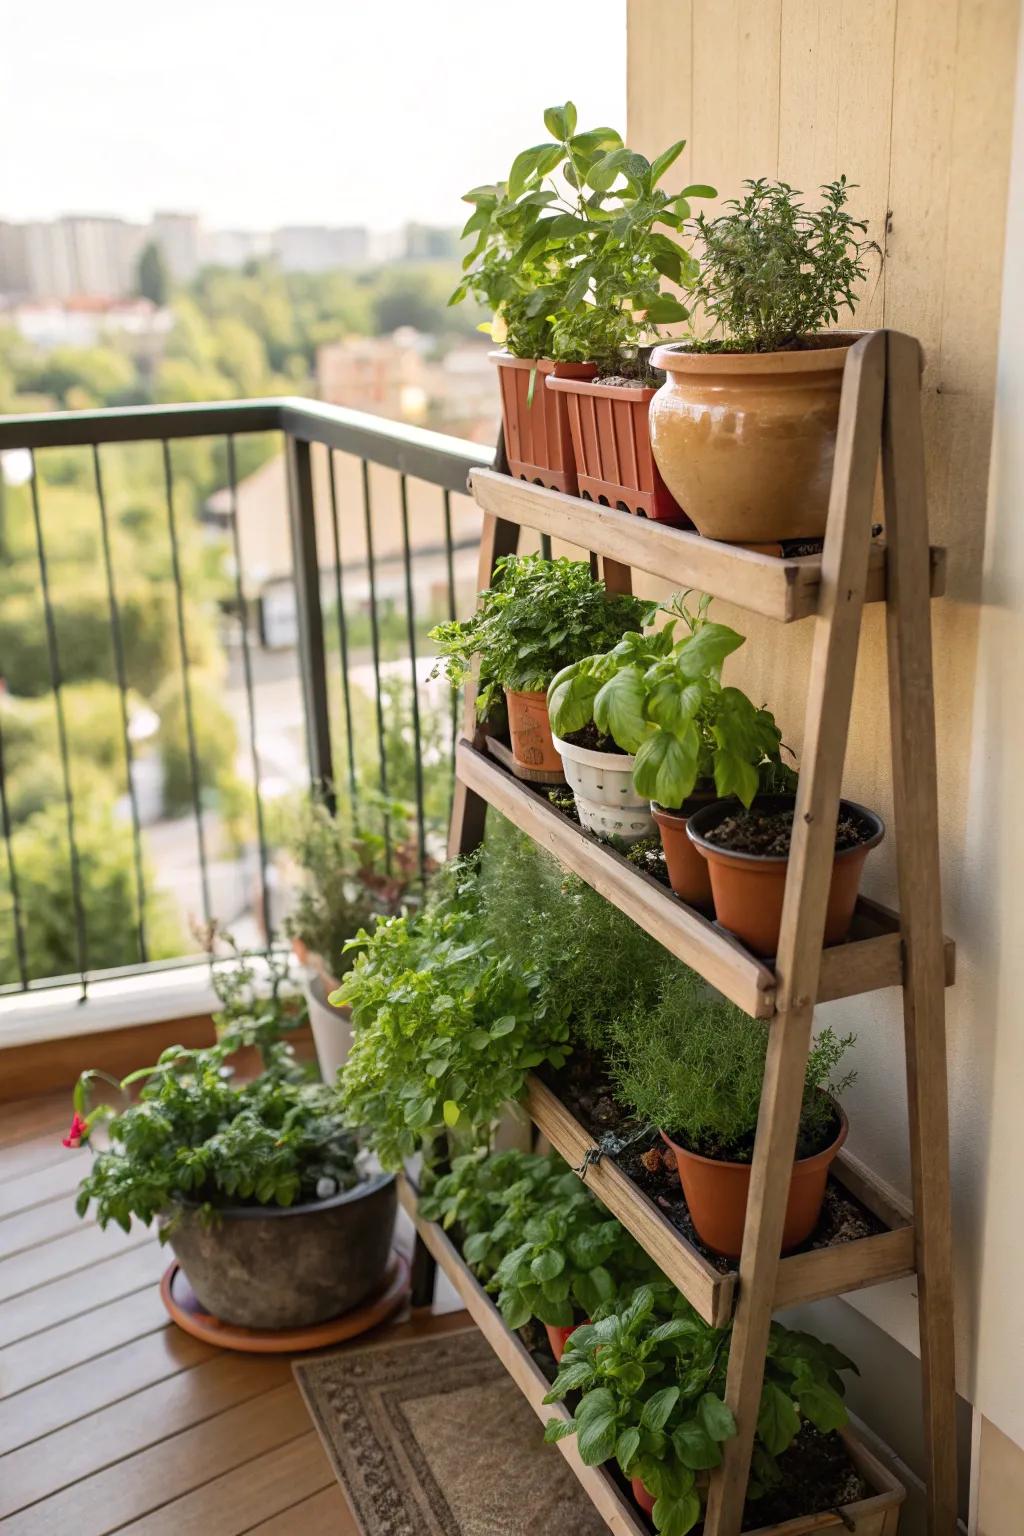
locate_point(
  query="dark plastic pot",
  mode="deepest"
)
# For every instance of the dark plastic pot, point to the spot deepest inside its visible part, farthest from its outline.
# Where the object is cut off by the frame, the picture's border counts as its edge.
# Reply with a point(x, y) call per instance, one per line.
point(538, 441)
point(687, 868)
point(611, 443)
point(289, 1267)
point(716, 1194)
point(748, 887)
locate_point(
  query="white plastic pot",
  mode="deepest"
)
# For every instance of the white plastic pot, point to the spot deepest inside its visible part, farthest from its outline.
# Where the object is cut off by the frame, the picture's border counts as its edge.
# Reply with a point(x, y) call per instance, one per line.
point(332, 1027)
point(602, 784)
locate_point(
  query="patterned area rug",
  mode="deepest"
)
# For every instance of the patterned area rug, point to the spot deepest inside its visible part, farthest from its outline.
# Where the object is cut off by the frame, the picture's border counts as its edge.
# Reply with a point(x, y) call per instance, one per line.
point(432, 1438)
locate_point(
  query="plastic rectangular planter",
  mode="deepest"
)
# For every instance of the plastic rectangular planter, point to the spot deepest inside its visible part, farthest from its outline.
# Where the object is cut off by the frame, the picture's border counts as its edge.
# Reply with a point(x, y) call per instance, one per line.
point(611, 444)
point(538, 440)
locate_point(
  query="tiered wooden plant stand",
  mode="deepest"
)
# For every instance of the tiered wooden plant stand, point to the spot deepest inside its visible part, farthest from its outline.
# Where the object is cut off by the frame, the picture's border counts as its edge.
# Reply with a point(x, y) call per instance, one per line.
point(880, 412)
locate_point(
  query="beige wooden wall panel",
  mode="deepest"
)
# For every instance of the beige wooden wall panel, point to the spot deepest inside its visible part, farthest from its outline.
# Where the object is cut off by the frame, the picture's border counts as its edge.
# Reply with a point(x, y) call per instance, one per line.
point(913, 100)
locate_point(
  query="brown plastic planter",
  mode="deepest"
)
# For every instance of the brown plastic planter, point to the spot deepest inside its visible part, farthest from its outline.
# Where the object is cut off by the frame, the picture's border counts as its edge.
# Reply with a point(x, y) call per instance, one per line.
point(530, 731)
point(716, 1194)
point(538, 441)
point(687, 868)
point(558, 1337)
point(748, 887)
point(611, 442)
point(745, 441)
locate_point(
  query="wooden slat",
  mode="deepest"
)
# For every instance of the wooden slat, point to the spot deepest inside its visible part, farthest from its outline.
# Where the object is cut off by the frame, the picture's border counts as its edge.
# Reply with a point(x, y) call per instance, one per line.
point(66, 1255)
point(47, 1183)
point(780, 589)
point(30, 1156)
point(721, 960)
point(78, 1292)
point(801, 1277)
point(705, 1289)
point(83, 1338)
point(39, 1224)
point(142, 1483)
point(41, 1469)
point(81, 1390)
point(915, 800)
point(844, 565)
point(325, 1514)
point(30, 1117)
point(230, 1504)
point(619, 1516)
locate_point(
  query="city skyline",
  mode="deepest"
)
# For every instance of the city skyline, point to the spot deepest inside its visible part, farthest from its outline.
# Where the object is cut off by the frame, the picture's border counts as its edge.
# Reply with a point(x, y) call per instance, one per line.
point(255, 124)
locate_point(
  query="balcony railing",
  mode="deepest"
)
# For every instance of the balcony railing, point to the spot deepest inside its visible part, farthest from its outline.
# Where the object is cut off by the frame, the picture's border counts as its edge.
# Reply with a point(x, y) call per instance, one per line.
point(336, 562)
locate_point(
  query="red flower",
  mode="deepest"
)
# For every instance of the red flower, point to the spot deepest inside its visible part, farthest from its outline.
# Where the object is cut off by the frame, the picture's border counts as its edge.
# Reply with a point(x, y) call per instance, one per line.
point(77, 1132)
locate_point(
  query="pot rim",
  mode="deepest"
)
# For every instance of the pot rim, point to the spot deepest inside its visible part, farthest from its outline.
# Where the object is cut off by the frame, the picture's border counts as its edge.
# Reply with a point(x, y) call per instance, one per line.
point(320, 985)
point(617, 762)
point(705, 817)
point(360, 1191)
point(672, 359)
point(828, 1152)
point(680, 813)
point(527, 693)
point(627, 392)
point(545, 365)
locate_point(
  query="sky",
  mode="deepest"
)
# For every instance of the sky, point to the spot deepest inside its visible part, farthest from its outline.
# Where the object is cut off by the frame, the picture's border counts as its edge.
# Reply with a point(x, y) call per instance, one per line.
point(256, 113)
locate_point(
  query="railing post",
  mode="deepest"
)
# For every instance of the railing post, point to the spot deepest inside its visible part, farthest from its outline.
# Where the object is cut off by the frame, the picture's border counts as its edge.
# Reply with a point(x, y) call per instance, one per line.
point(302, 520)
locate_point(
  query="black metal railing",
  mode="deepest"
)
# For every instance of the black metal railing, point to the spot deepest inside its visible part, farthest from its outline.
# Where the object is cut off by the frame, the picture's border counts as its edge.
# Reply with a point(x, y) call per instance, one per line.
point(324, 519)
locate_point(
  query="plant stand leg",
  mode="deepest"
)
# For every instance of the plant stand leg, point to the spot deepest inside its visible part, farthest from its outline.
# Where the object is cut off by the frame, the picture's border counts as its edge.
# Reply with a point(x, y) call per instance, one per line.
point(424, 1275)
point(830, 690)
point(915, 800)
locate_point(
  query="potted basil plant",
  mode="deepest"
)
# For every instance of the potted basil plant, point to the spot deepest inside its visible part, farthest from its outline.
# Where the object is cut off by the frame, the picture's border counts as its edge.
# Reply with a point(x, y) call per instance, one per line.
point(744, 427)
point(684, 738)
point(536, 617)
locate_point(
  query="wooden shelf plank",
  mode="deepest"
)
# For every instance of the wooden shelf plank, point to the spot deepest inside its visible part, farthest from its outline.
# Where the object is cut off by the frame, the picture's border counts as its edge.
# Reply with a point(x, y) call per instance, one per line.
point(782, 589)
point(871, 959)
point(618, 1514)
point(802, 1277)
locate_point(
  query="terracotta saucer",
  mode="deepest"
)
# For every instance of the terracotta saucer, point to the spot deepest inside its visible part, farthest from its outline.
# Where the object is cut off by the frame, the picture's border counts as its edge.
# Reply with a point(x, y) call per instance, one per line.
point(181, 1303)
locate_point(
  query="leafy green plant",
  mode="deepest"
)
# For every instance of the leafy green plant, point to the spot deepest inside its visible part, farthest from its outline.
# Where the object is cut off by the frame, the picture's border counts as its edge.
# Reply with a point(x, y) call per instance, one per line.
point(571, 250)
point(194, 1137)
point(663, 699)
point(446, 1026)
point(536, 617)
point(652, 1379)
point(487, 1196)
point(693, 1065)
point(773, 272)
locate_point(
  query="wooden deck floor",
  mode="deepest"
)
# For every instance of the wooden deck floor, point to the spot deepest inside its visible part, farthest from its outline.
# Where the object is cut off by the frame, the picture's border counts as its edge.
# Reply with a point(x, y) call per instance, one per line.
point(110, 1418)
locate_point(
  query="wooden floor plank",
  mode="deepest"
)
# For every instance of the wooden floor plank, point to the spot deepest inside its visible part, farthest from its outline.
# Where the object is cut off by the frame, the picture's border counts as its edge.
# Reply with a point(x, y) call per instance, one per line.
point(83, 1390)
point(21, 1157)
point(28, 1118)
point(39, 1224)
point(71, 1295)
point(73, 1254)
point(151, 1479)
point(45, 1184)
point(83, 1338)
point(233, 1502)
point(135, 1423)
point(327, 1513)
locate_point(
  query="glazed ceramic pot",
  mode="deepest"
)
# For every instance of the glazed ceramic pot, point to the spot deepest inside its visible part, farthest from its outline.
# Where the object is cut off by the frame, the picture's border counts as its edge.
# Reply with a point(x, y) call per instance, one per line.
point(716, 1194)
point(745, 441)
point(748, 888)
point(538, 441)
point(602, 786)
point(529, 730)
point(611, 443)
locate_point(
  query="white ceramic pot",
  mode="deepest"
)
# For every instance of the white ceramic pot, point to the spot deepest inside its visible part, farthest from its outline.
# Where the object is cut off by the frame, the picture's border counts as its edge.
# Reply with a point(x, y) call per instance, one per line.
point(602, 784)
point(332, 1027)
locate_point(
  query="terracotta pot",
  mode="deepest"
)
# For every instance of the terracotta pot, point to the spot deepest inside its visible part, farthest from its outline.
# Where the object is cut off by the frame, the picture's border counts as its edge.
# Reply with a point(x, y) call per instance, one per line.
point(538, 441)
point(745, 441)
point(602, 786)
point(642, 1497)
point(716, 1194)
point(558, 1337)
point(687, 869)
point(530, 731)
point(611, 443)
point(748, 887)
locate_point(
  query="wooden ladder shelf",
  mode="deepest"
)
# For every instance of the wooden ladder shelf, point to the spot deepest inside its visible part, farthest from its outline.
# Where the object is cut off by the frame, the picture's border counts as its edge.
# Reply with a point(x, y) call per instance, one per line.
point(880, 412)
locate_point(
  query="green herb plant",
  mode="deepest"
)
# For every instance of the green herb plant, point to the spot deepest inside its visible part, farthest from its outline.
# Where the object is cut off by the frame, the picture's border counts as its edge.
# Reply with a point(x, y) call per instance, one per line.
point(571, 250)
point(651, 1380)
point(193, 1136)
point(446, 1025)
point(536, 617)
point(693, 1065)
point(487, 1197)
point(662, 698)
point(773, 272)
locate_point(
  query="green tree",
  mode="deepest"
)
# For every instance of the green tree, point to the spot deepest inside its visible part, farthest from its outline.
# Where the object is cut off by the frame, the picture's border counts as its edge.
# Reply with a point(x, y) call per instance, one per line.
point(153, 280)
